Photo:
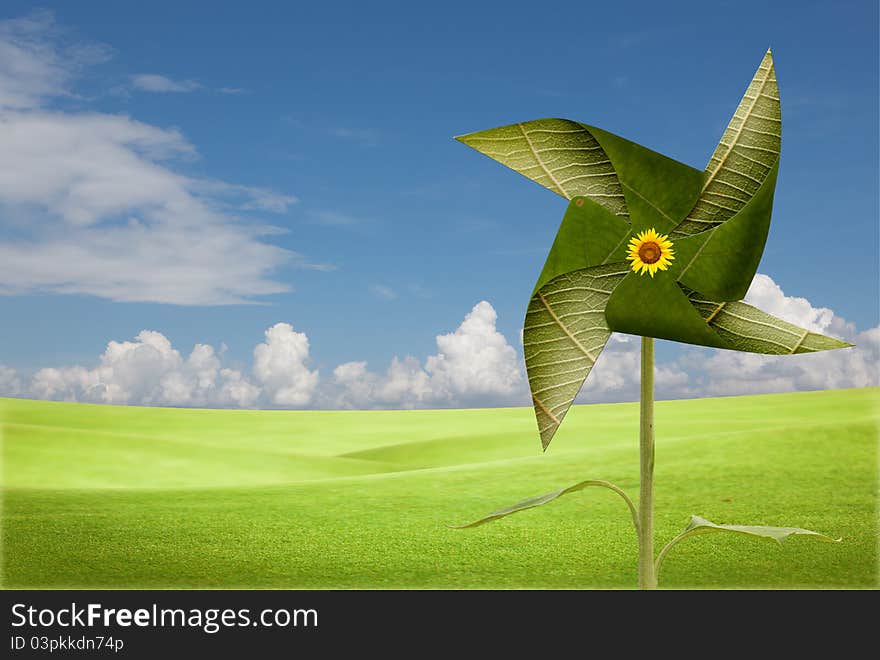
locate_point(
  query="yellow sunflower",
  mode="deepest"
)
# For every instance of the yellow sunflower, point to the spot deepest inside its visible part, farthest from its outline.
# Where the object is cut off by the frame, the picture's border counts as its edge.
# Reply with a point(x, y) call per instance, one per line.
point(650, 251)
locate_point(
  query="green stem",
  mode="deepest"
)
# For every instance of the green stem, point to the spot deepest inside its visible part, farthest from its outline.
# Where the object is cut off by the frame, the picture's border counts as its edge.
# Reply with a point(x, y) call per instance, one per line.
point(647, 574)
point(681, 537)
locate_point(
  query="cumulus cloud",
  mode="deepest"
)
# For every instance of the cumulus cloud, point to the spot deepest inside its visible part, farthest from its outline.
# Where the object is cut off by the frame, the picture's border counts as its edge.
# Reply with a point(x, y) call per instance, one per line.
point(617, 372)
point(147, 371)
point(280, 366)
point(475, 361)
point(709, 372)
point(153, 82)
point(10, 383)
point(765, 294)
point(729, 372)
point(474, 366)
point(405, 384)
point(92, 203)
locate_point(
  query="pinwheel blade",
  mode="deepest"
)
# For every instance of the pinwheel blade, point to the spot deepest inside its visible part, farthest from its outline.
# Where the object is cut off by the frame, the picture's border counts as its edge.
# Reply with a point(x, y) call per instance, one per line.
point(743, 327)
point(748, 151)
point(564, 333)
point(559, 154)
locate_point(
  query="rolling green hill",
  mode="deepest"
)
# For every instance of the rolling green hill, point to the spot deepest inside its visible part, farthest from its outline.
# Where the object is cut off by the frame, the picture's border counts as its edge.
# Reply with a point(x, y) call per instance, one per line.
point(125, 497)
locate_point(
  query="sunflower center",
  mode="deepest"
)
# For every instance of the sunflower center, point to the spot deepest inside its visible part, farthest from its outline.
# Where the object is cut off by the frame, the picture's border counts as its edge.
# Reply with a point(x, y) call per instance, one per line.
point(649, 252)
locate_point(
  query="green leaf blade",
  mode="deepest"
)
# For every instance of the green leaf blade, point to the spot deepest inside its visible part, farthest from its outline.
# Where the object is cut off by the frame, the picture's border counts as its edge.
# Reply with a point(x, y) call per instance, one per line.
point(522, 505)
point(657, 307)
point(546, 498)
point(745, 328)
point(559, 154)
point(745, 156)
point(589, 235)
point(700, 525)
point(659, 191)
point(564, 332)
point(728, 255)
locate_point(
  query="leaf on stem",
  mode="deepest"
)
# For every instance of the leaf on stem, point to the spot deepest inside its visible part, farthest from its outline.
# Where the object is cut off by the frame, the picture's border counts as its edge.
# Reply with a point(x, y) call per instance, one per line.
point(700, 525)
point(539, 500)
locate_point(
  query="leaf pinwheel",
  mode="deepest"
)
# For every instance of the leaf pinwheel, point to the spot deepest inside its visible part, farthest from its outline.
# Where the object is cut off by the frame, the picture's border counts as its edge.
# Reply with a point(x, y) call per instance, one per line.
point(624, 196)
point(647, 246)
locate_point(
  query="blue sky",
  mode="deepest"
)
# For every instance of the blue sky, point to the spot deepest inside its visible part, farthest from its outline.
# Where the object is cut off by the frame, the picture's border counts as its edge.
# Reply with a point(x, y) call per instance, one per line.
point(399, 230)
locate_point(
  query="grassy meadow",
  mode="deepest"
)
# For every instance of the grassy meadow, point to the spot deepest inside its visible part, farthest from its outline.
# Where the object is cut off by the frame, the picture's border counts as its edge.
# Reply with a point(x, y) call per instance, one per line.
point(128, 497)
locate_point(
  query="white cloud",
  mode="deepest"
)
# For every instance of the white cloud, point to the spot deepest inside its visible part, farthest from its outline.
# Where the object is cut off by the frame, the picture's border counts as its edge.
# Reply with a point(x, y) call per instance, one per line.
point(247, 198)
point(383, 292)
point(150, 371)
point(730, 372)
point(280, 366)
point(37, 62)
point(709, 372)
point(353, 385)
point(404, 385)
point(768, 296)
point(152, 82)
point(94, 204)
point(10, 383)
point(237, 391)
point(473, 366)
point(617, 372)
point(158, 84)
point(147, 371)
point(475, 361)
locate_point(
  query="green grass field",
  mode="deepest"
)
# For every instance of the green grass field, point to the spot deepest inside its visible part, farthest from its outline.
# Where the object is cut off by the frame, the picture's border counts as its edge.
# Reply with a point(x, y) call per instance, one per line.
point(124, 497)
